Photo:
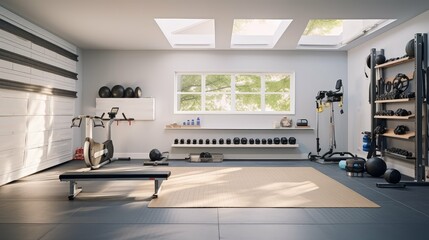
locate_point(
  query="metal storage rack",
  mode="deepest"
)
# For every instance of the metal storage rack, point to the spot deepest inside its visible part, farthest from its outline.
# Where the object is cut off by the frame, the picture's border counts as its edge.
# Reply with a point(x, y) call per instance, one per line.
point(418, 121)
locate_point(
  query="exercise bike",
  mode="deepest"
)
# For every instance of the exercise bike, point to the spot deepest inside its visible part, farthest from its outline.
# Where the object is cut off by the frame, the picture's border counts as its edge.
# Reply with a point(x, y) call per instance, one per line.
point(327, 98)
point(96, 154)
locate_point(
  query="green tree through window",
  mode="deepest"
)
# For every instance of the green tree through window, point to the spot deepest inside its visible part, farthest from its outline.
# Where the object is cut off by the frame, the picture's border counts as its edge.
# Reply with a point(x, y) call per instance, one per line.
point(241, 93)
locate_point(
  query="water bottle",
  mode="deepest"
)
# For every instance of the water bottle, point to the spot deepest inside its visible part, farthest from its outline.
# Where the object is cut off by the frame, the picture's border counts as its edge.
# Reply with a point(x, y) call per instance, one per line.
point(198, 121)
point(192, 122)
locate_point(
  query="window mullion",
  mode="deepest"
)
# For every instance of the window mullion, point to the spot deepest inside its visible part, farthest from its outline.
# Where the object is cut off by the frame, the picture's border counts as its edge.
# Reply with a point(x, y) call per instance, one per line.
point(233, 76)
point(262, 76)
point(203, 92)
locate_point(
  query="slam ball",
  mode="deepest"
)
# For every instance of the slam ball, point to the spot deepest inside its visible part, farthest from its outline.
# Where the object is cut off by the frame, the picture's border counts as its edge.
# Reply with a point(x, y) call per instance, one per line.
point(392, 176)
point(104, 92)
point(118, 91)
point(375, 167)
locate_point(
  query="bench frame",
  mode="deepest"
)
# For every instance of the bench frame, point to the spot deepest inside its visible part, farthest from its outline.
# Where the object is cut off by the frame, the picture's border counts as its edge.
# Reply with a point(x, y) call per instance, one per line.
point(74, 189)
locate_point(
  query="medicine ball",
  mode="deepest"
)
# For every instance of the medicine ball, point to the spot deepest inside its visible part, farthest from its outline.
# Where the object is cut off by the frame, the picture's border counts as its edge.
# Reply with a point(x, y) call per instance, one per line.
point(182, 141)
point(228, 141)
point(214, 141)
point(194, 141)
point(188, 141)
point(257, 141)
point(409, 48)
point(243, 140)
point(176, 141)
point(270, 141)
point(138, 92)
point(380, 59)
point(251, 141)
point(155, 155)
point(236, 140)
point(104, 92)
point(292, 140)
point(264, 141)
point(118, 91)
point(276, 140)
point(221, 141)
point(368, 61)
point(284, 140)
point(129, 92)
point(200, 141)
point(392, 175)
point(207, 141)
point(375, 167)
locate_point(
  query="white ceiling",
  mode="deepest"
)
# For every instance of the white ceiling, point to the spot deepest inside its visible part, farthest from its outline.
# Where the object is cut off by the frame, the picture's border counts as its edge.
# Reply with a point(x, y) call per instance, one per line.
point(130, 24)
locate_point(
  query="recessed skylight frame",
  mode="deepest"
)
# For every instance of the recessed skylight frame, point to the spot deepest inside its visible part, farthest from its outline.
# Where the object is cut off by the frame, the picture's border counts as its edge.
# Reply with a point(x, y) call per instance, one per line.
point(188, 33)
point(258, 33)
point(339, 36)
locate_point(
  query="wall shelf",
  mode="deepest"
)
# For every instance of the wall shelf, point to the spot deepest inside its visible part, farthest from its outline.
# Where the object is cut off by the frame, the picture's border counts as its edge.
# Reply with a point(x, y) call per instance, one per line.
point(391, 134)
point(396, 117)
point(220, 128)
point(395, 100)
point(235, 145)
point(394, 63)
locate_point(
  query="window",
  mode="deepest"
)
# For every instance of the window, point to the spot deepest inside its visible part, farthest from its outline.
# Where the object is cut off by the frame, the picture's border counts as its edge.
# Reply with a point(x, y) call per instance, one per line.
point(335, 33)
point(235, 93)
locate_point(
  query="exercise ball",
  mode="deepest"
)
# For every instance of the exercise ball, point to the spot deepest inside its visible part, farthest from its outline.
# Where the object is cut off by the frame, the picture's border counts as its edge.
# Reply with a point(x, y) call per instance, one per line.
point(138, 92)
point(375, 167)
point(155, 155)
point(292, 140)
point(409, 48)
point(244, 140)
point(368, 61)
point(380, 59)
point(392, 175)
point(118, 91)
point(129, 92)
point(236, 140)
point(104, 92)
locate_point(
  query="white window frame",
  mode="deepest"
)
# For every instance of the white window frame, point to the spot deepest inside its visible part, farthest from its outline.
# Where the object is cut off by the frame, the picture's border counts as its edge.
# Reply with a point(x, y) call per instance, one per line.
point(233, 93)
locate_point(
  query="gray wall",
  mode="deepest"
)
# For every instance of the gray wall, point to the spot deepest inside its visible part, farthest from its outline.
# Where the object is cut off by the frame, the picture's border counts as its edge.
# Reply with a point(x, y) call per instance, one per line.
point(393, 42)
point(154, 72)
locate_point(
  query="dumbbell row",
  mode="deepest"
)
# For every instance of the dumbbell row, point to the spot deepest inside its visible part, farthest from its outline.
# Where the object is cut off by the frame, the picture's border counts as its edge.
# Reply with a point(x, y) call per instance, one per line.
point(236, 141)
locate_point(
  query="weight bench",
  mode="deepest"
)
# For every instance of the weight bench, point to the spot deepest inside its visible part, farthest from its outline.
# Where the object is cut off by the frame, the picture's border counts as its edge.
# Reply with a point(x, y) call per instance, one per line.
point(73, 177)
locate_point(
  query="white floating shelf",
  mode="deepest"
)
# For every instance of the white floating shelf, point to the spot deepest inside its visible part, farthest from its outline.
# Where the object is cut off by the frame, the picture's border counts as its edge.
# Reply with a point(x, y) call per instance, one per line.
point(235, 145)
point(137, 108)
point(220, 128)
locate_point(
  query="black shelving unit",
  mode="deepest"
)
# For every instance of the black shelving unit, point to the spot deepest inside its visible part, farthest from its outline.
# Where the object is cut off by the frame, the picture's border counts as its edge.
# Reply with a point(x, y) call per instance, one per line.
point(418, 133)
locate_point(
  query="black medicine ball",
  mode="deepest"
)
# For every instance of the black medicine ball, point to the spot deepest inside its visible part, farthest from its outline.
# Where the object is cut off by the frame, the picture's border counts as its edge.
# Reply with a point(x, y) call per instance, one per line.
point(207, 141)
point(409, 48)
point(375, 167)
point(264, 141)
point(380, 59)
point(104, 92)
point(118, 91)
point(243, 140)
point(155, 155)
point(228, 141)
point(138, 92)
point(276, 140)
point(182, 141)
point(284, 140)
point(221, 141)
point(176, 141)
point(292, 140)
point(200, 141)
point(194, 141)
point(270, 141)
point(129, 92)
point(257, 141)
point(236, 140)
point(214, 141)
point(392, 176)
point(251, 141)
point(188, 141)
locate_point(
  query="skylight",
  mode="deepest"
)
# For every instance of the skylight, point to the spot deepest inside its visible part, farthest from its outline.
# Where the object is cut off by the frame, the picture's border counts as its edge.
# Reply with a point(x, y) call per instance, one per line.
point(188, 33)
point(335, 33)
point(257, 33)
